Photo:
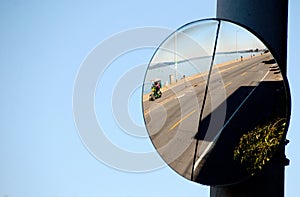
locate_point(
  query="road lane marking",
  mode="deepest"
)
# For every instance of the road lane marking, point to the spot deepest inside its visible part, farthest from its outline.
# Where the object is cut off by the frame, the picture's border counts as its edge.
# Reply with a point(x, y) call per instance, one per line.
point(227, 84)
point(220, 131)
point(147, 111)
point(244, 74)
point(158, 105)
point(237, 65)
point(223, 70)
point(181, 96)
point(182, 119)
point(166, 100)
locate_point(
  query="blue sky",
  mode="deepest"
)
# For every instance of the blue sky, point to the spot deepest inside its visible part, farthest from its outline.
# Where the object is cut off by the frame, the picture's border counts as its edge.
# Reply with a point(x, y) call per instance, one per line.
point(43, 44)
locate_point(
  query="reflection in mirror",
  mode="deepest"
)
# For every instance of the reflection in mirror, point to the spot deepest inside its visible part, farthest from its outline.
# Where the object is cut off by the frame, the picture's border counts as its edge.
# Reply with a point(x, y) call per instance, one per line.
point(215, 103)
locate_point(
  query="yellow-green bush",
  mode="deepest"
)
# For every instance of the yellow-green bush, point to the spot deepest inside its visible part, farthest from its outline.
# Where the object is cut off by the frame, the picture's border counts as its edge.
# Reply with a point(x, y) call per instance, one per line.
point(257, 147)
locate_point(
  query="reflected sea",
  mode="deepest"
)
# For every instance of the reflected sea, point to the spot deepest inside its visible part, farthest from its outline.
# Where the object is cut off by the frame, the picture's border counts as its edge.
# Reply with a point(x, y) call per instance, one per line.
point(186, 68)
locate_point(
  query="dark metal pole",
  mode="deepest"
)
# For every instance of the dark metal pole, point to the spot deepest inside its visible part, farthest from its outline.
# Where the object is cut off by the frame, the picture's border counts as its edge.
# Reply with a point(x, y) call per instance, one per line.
point(268, 19)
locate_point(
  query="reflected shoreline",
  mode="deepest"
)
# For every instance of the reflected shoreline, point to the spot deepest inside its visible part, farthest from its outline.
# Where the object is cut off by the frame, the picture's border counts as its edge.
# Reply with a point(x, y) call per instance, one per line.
point(189, 79)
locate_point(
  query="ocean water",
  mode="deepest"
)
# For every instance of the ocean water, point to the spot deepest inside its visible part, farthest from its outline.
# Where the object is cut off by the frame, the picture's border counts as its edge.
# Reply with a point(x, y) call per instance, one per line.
point(186, 68)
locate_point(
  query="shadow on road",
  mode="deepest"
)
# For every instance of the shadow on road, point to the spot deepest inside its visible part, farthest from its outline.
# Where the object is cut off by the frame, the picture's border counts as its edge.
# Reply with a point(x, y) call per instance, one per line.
point(267, 102)
point(271, 61)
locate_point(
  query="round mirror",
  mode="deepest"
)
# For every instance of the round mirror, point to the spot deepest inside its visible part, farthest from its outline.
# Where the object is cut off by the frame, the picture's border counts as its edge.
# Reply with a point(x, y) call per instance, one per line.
point(215, 103)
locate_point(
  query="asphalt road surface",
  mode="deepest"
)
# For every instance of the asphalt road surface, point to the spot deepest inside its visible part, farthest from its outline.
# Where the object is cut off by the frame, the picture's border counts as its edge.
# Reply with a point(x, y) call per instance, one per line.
point(173, 120)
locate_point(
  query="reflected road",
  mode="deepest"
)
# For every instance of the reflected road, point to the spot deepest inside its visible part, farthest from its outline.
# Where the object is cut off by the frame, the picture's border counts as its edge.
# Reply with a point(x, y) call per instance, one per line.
point(172, 121)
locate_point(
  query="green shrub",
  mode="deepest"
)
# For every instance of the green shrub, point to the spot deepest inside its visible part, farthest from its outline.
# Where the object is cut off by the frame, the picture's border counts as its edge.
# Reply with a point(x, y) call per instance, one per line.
point(257, 147)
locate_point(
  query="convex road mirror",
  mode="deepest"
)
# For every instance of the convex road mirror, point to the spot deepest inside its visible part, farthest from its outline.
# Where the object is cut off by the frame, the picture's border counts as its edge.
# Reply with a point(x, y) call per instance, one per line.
point(215, 103)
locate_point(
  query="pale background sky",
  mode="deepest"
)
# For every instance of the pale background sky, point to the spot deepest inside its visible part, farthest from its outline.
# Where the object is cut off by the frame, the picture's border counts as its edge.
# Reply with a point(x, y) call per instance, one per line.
point(43, 44)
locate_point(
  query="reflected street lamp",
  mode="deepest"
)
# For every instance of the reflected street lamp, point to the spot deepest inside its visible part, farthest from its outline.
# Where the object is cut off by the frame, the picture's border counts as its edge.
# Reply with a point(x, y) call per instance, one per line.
point(175, 55)
point(236, 43)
